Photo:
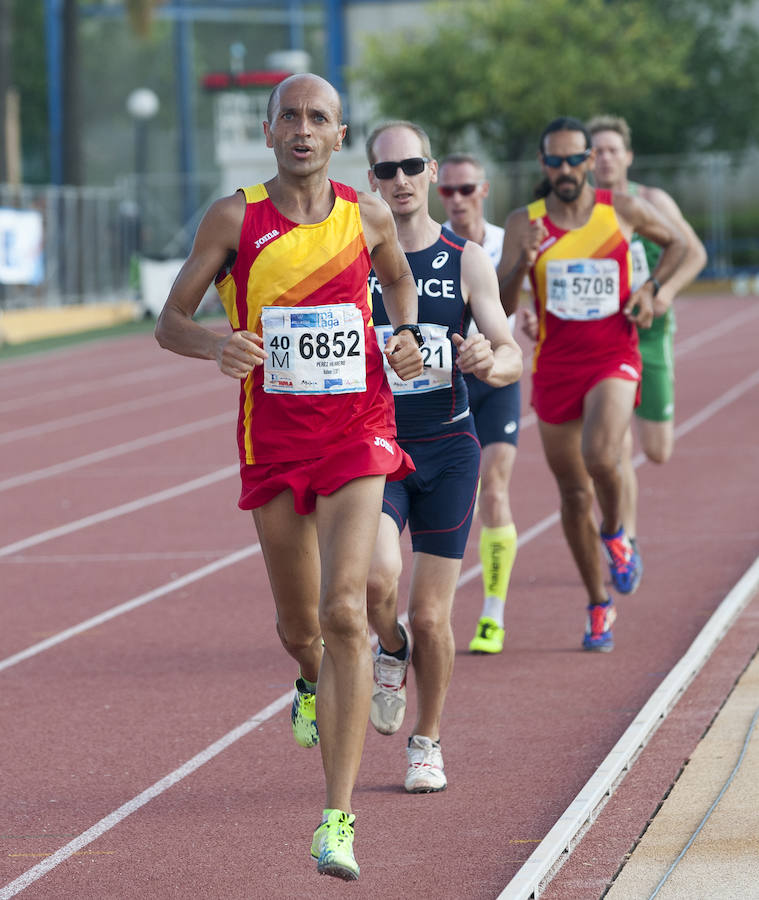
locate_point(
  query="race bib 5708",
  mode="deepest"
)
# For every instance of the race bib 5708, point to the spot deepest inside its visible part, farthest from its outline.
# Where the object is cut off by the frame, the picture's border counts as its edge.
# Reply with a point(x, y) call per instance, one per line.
point(582, 289)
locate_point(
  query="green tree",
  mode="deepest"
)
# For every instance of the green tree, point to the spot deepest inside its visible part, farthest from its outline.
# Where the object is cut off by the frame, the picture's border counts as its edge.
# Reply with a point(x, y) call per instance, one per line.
point(6, 42)
point(503, 68)
point(30, 78)
point(717, 108)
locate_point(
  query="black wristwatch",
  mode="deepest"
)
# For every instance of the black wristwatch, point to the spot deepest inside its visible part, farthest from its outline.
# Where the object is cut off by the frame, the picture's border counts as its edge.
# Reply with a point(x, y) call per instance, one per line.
point(656, 283)
point(414, 329)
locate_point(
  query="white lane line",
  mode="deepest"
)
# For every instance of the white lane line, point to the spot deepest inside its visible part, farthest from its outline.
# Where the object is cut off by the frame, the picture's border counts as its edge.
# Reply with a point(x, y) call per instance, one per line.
point(115, 511)
point(682, 348)
point(173, 585)
point(546, 859)
point(110, 411)
point(694, 421)
point(524, 538)
point(155, 790)
point(56, 559)
point(150, 440)
point(556, 847)
point(711, 332)
point(23, 370)
point(90, 386)
point(716, 405)
point(104, 825)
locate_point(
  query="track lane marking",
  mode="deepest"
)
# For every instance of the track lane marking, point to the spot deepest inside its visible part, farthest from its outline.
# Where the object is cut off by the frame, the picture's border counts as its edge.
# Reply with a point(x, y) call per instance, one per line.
point(124, 509)
point(282, 702)
point(110, 411)
point(113, 819)
point(525, 537)
point(562, 838)
point(148, 440)
point(174, 585)
point(155, 790)
point(90, 386)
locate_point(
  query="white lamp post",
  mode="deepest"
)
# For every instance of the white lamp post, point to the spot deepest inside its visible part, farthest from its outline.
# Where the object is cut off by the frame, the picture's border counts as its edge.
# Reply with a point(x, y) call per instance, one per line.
point(142, 105)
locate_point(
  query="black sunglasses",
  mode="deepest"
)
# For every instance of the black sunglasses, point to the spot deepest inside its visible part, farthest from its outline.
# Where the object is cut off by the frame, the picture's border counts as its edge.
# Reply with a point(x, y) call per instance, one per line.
point(413, 166)
point(574, 159)
point(448, 190)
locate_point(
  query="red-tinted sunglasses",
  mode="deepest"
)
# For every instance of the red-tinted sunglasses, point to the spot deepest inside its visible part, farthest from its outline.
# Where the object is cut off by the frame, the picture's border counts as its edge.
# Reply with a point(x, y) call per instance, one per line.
point(448, 190)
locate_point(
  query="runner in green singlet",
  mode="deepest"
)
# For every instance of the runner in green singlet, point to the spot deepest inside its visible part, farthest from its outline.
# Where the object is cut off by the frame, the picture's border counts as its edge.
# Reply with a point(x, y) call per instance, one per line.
point(655, 415)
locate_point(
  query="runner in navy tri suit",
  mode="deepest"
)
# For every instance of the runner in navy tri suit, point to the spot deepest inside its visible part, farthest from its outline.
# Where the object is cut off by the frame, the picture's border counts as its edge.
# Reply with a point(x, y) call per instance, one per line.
point(456, 282)
point(435, 425)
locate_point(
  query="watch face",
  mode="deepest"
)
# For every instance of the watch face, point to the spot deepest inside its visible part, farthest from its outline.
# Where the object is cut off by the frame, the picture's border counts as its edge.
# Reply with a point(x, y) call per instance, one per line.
point(414, 329)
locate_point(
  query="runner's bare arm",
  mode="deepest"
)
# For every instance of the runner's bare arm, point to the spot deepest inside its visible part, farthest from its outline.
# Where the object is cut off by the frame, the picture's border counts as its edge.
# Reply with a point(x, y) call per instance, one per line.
point(520, 249)
point(637, 214)
point(176, 330)
point(695, 254)
point(491, 354)
point(398, 288)
point(530, 325)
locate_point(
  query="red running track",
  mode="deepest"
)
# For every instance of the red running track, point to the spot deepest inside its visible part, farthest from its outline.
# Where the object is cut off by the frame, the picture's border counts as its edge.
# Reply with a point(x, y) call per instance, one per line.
point(146, 746)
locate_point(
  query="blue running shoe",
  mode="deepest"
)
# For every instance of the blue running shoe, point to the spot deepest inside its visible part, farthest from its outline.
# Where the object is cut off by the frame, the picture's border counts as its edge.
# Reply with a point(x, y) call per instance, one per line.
point(598, 634)
point(625, 564)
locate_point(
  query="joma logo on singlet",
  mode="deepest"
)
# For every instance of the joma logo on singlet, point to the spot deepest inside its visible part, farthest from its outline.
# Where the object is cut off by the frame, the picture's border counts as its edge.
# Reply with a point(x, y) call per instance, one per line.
point(266, 237)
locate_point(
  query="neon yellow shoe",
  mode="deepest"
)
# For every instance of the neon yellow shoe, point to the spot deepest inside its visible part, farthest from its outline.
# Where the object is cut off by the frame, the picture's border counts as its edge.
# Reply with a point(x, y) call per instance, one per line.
point(489, 637)
point(332, 846)
point(303, 716)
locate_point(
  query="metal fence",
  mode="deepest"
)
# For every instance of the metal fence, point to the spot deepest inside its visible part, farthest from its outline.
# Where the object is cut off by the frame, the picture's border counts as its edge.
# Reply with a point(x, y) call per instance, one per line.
point(93, 236)
point(86, 239)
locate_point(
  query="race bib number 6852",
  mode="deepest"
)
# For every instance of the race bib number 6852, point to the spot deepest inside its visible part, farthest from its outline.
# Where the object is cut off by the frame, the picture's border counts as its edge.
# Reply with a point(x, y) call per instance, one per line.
point(314, 349)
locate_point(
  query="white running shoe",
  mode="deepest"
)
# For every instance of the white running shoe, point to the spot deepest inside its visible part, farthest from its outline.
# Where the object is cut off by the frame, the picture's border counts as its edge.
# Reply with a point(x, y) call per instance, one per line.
point(425, 766)
point(389, 697)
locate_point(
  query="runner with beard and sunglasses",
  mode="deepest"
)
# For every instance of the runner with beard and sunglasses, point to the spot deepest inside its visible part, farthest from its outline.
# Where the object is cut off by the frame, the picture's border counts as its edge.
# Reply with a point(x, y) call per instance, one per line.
point(573, 243)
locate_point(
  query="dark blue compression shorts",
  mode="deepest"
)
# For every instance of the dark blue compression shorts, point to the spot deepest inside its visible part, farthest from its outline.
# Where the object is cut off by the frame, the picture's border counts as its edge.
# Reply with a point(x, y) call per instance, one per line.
point(438, 499)
point(496, 411)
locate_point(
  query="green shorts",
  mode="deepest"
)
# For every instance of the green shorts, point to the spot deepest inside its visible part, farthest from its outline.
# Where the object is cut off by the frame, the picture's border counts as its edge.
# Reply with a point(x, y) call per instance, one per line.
point(657, 387)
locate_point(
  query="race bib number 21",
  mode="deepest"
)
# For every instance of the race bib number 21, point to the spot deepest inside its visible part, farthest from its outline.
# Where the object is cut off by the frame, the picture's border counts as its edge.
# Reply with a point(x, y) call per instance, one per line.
point(314, 349)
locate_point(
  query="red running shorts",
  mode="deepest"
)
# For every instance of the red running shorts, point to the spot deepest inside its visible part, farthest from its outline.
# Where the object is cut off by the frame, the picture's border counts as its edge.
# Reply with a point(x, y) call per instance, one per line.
point(310, 478)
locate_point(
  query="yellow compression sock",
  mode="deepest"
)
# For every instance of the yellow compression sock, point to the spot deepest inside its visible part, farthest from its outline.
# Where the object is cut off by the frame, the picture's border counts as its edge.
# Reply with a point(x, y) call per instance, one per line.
point(498, 550)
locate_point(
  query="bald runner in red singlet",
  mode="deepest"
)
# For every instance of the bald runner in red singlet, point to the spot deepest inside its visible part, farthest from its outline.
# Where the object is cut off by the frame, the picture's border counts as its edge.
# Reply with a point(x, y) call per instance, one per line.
point(316, 431)
point(285, 439)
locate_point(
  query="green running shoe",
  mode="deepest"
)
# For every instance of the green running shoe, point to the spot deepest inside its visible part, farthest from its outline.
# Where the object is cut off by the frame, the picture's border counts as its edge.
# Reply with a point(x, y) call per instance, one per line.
point(489, 637)
point(303, 716)
point(332, 846)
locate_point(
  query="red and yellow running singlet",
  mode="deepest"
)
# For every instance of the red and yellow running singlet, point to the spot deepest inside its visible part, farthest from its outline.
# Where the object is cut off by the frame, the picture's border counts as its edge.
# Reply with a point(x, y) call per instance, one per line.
point(283, 263)
point(581, 282)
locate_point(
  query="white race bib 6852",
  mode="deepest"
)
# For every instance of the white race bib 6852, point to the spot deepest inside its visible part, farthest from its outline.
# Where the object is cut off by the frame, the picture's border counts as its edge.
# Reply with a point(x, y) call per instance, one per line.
point(314, 349)
point(436, 354)
point(582, 289)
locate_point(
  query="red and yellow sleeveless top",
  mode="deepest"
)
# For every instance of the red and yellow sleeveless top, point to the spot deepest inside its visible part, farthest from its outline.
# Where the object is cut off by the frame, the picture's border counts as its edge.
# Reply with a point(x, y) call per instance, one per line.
point(283, 263)
point(564, 339)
